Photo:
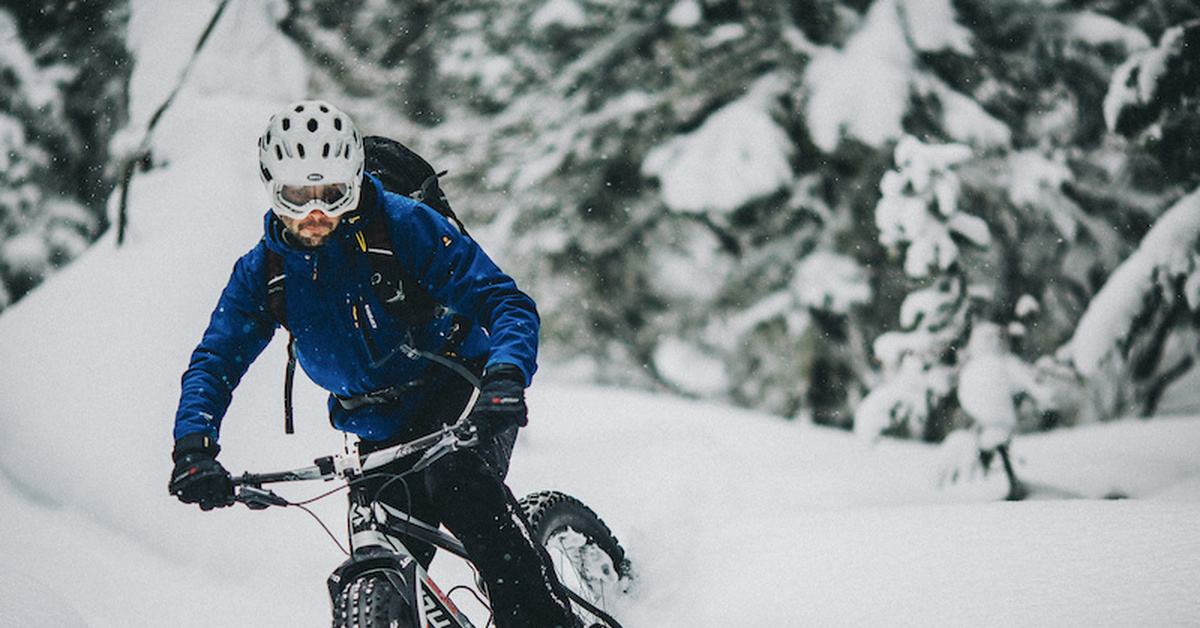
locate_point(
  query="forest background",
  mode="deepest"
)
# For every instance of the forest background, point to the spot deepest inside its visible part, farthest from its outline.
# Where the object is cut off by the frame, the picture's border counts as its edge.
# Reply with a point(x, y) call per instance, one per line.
point(902, 217)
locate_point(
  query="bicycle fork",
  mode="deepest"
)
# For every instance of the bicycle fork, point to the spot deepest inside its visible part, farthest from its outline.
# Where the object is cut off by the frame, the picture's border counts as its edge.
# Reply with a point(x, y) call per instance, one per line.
point(374, 551)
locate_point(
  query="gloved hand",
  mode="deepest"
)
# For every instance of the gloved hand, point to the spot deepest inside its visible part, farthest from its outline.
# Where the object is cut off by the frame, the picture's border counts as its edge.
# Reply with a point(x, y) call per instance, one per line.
point(501, 404)
point(198, 478)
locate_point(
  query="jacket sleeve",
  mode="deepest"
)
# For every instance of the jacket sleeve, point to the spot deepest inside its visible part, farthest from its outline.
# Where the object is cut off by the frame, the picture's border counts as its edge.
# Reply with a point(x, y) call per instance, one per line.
point(460, 275)
point(237, 333)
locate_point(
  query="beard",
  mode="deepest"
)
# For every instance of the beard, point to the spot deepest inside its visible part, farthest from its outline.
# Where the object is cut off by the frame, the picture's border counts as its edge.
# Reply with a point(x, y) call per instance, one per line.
point(313, 231)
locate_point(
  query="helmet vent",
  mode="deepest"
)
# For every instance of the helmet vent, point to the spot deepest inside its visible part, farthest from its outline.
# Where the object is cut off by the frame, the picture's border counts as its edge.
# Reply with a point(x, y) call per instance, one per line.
point(337, 124)
point(278, 152)
point(312, 125)
point(325, 153)
point(287, 123)
point(300, 150)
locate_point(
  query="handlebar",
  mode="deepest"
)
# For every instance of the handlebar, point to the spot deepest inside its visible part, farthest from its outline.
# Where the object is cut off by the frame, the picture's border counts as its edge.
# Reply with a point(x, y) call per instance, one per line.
point(435, 445)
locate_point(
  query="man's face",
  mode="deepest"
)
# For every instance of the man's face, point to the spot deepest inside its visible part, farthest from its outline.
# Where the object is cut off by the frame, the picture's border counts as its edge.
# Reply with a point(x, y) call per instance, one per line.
point(313, 230)
point(311, 221)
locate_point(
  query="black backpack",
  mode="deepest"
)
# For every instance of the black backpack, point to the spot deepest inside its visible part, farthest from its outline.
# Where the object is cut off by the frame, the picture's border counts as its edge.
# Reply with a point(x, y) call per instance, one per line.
point(404, 172)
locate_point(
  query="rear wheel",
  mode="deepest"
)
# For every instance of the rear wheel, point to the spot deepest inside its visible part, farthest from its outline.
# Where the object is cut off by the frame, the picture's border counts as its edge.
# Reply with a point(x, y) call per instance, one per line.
point(370, 601)
point(586, 556)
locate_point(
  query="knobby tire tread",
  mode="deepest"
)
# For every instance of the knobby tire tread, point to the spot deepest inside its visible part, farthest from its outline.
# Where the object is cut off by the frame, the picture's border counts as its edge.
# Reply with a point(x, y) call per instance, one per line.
point(370, 601)
point(550, 512)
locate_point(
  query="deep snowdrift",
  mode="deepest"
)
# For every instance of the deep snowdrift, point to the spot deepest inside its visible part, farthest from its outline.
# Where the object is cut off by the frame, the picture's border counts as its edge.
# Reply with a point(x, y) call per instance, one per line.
point(731, 517)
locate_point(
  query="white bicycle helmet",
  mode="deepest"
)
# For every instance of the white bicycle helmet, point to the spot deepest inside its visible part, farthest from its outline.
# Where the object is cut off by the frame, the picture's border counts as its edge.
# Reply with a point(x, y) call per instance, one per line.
point(311, 145)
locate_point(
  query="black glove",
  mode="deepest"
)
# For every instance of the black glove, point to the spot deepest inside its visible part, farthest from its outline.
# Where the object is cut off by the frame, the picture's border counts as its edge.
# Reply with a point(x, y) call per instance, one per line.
point(501, 404)
point(198, 478)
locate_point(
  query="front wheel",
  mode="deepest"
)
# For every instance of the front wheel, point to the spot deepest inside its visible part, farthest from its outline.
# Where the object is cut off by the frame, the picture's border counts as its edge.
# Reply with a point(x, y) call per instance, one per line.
point(587, 557)
point(370, 601)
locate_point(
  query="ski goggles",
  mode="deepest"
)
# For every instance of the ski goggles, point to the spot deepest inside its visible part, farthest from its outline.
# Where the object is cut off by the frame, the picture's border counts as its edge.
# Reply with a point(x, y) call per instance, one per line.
point(298, 201)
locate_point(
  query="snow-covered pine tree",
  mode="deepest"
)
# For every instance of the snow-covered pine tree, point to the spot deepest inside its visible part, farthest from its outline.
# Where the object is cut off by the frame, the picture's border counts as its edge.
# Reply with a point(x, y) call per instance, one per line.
point(63, 96)
point(935, 383)
point(1139, 334)
point(919, 217)
point(546, 111)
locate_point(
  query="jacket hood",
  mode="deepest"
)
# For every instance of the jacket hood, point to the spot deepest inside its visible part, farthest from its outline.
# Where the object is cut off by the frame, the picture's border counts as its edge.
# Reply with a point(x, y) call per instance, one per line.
point(369, 203)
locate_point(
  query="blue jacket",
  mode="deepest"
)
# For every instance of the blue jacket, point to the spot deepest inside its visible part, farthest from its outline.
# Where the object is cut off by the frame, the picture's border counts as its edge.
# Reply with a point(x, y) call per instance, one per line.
point(346, 341)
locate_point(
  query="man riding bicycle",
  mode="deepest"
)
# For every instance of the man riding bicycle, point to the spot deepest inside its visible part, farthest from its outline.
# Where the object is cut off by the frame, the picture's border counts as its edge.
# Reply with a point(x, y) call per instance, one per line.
point(390, 377)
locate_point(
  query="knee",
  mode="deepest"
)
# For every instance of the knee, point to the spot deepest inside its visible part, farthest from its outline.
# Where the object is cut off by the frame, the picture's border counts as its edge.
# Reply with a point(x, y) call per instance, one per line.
point(455, 474)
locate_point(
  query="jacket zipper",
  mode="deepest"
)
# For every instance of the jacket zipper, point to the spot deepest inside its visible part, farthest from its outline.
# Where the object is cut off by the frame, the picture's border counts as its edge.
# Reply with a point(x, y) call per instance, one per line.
point(364, 320)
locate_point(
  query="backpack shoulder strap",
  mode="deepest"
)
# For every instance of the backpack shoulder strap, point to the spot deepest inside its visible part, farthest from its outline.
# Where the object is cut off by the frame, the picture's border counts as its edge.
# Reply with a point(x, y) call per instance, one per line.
point(277, 308)
point(432, 195)
point(395, 287)
point(275, 282)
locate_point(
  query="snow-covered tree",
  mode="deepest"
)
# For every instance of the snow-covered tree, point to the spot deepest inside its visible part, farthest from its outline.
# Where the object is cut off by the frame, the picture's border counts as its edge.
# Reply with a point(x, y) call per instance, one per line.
point(676, 181)
point(949, 372)
point(919, 215)
point(1153, 97)
point(690, 188)
point(62, 97)
point(994, 388)
point(1140, 333)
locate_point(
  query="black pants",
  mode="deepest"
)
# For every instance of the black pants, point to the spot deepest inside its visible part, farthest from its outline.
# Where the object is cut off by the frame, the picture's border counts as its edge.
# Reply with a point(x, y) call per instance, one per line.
point(465, 491)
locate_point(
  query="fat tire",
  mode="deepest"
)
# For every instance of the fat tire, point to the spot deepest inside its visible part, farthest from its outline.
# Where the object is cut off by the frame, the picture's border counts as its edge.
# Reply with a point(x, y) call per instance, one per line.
point(370, 601)
point(551, 513)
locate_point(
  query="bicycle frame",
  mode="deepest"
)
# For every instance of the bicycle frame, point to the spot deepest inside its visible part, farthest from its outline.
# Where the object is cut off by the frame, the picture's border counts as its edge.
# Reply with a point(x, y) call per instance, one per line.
point(376, 528)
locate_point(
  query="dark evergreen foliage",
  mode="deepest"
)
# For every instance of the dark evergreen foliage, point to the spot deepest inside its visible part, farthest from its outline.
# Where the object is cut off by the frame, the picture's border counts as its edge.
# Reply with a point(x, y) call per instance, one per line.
point(63, 94)
point(545, 124)
point(545, 113)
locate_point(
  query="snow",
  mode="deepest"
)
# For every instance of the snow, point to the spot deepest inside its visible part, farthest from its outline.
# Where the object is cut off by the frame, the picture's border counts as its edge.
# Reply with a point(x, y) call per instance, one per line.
point(731, 517)
point(470, 59)
point(561, 13)
point(685, 14)
point(1138, 79)
point(1034, 176)
point(739, 154)
point(901, 400)
point(38, 84)
point(830, 282)
point(919, 210)
point(683, 267)
point(931, 25)
point(1111, 314)
point(689, 368)
point(1097, 29)
point(25, 252)
point(862, 90)
point(28, 604)
point(989, 380)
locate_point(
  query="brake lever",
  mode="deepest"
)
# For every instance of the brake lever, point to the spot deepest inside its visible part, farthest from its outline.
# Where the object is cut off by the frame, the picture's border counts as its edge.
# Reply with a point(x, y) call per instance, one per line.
point(455, 437)
point(257, 498)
